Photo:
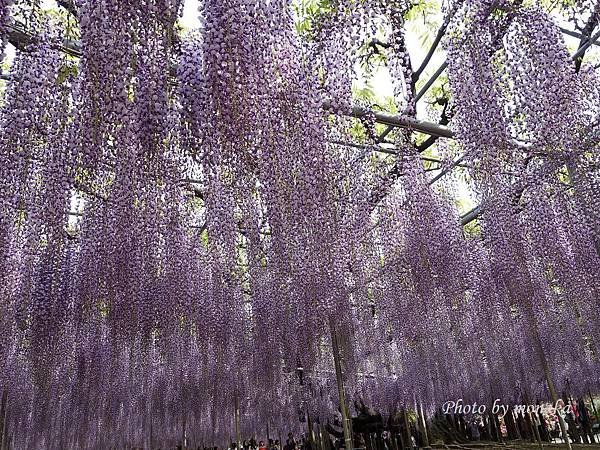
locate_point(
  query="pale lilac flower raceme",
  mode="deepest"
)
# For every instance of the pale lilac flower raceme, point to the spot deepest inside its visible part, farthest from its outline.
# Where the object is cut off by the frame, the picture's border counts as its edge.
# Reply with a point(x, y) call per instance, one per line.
point(181, 230)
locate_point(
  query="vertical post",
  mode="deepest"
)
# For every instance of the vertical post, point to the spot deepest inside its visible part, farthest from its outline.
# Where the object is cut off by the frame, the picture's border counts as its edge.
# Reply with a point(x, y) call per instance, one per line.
point(561, 422)
point(407, 426)
point(322, 444)
point(311, 436)
point(592, 401)
point(533, 420)
point(529, 422)
point(491, 425)
point(184, 435)
point(548, 375)
point(237, 423)
point(536, 431)
point(592, 435)
point(151, 436)
point(424, 425)
point(150, 430)
point(3, 416)
point(319, 443)
point(340, 385)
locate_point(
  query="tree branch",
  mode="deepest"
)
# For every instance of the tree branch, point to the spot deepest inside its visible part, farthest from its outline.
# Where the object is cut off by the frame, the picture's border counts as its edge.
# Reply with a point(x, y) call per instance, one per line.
point(69, 5)
point(586, 40)
point(21, 39)
point(436, 42)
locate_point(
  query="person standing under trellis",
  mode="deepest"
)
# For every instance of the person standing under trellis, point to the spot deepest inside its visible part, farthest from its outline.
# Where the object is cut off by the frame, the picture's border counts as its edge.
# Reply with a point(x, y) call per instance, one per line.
point(586, 423)
point(291, 443)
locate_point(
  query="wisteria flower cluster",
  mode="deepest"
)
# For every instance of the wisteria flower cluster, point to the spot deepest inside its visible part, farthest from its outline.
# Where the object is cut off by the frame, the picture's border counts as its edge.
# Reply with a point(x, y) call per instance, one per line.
point(182, 234)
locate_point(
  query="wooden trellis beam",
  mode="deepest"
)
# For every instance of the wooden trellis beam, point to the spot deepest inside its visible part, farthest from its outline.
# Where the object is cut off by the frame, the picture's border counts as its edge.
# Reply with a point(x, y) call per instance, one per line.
point(422, 126)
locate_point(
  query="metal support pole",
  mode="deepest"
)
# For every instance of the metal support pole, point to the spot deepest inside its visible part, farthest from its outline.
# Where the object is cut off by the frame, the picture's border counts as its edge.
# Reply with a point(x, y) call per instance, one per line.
point(593, 404)
point(184, 435)
point(320, 445)
point(237, 423)
point(592, 435)
point(311, 436)
point(536, 431)
point(423, 425)
point(3, 417)
point(151, 443)
point(434, 77)
point(340, 385)
point(561, 422)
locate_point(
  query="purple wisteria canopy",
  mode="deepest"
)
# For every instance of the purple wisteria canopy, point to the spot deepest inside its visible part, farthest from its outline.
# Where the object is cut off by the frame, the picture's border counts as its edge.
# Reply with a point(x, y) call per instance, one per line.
point(187, 216)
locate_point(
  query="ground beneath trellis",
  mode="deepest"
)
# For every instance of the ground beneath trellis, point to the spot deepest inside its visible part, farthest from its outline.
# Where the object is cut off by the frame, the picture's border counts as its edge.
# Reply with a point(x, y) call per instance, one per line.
point(512, 445)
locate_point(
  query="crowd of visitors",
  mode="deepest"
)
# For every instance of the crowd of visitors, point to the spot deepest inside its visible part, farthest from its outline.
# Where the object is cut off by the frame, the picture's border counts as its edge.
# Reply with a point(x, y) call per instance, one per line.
point(304, 443)
point(580, 420)
point(291, 444)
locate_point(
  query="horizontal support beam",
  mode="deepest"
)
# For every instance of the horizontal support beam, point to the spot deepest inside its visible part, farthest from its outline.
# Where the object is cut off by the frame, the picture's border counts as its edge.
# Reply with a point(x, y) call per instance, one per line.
point(20, 39)
point(432, 80)
point(587, 43)
point(470, 216)
point(579, 36)
point(457, 162)
point(422, 126)
point(388, 151)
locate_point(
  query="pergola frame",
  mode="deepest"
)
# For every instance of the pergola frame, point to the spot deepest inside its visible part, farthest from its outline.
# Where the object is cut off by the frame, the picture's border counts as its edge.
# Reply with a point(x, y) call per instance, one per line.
point(19, 37)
